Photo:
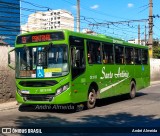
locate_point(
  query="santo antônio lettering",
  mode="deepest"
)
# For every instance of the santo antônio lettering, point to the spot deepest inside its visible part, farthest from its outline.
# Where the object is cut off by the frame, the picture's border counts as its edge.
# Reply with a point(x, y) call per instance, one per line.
point(119, 74)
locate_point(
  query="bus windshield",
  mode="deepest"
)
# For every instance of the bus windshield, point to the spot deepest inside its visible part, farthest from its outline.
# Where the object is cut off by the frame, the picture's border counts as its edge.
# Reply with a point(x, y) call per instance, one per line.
point(42, 61)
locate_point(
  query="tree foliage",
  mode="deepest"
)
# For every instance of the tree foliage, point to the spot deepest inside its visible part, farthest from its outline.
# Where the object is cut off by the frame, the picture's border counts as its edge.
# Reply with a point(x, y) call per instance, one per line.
point(156, 49)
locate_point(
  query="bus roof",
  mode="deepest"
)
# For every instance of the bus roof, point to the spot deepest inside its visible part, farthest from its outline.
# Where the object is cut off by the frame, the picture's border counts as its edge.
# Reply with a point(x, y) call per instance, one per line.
point(100, 37)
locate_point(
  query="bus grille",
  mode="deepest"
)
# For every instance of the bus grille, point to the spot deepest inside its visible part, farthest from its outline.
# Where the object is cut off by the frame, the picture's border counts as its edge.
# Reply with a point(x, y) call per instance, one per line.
point(41, 83)
point(38, 97)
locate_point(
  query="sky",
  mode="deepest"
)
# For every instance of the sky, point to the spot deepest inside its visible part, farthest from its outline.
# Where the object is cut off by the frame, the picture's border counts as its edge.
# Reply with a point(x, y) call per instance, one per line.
point(102, 11)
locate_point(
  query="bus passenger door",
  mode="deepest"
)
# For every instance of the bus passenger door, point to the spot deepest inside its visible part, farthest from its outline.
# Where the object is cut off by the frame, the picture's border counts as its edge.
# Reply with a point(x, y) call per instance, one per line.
point(78, 67)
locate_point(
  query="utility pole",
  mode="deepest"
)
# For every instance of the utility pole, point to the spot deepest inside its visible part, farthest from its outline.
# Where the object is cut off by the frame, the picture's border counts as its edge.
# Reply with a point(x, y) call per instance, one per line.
point(138, 34)
point(78, 15)
point(150, 38)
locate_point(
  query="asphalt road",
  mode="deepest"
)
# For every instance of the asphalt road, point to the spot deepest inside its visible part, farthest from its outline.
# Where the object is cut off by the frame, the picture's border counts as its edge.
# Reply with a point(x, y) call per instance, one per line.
point(113, 113)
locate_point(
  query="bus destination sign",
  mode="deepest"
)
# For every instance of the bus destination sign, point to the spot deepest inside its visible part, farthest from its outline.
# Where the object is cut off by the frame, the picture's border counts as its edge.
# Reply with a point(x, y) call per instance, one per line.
point(33, 38)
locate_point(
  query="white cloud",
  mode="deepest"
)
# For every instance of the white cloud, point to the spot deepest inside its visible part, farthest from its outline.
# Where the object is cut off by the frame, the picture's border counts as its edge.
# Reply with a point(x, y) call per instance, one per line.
point(74, 7)
point(130, 5)
point(95, 7)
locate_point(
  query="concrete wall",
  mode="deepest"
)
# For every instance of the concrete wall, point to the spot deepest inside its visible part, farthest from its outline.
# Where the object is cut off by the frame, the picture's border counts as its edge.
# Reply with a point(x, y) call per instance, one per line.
point(7, 76)
point(155, 69)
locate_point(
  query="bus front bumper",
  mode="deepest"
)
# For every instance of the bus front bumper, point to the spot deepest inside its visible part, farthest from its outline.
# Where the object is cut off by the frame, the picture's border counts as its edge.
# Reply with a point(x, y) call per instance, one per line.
point(63, 98)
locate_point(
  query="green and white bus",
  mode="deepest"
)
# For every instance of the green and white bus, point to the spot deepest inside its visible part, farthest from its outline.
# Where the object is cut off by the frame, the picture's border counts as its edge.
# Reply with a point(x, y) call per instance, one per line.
point(64, 67)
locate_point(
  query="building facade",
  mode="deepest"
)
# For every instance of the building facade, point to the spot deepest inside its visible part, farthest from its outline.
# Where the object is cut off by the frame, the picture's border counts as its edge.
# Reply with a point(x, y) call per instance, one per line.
point(135, 41)
point(9, 21)
point(52, 19)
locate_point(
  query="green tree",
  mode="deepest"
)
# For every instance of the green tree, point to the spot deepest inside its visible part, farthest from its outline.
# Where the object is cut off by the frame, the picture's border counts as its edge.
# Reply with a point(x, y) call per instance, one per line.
point(156, 49)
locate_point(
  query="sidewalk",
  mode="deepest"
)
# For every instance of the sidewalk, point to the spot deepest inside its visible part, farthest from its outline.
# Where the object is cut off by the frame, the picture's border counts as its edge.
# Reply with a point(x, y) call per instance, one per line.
point(155, 82)
point(8, 105)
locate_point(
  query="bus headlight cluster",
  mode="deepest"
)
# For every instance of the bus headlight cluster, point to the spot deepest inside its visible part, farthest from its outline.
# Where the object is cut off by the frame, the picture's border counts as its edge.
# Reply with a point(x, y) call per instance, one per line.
point(19, 91)
point(62, 89)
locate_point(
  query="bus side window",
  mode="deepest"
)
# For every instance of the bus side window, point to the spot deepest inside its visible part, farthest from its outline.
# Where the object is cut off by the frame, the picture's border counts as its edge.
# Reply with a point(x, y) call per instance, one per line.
point(77, 56)
point(107, 49)
point(94, 52)
point(144, 56)
point(137, 56)
point(129, 55)
point(119, 54)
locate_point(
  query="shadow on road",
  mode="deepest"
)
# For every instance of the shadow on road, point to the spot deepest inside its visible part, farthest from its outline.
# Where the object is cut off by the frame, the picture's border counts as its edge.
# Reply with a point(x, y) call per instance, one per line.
point(71, 108)
point(121, 122)
point(115, 99)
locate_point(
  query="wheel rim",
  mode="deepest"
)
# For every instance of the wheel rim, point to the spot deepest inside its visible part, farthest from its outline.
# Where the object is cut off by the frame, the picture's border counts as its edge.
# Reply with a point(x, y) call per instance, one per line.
point(91, 97)
point(133, 92)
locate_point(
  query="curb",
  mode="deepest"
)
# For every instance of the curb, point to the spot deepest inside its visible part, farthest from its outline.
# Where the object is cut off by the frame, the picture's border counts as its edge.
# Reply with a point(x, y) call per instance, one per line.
point(9, 108)
point(154, 82)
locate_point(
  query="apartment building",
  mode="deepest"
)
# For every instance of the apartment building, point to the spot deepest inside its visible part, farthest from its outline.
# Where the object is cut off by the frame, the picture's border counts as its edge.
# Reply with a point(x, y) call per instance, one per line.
point(135, 41)
point(52, 19)
point(9, 21)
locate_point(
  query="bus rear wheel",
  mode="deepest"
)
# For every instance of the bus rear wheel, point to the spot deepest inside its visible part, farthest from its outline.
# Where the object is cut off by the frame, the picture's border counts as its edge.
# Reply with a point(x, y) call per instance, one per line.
point(91, 98)
point(133, 90)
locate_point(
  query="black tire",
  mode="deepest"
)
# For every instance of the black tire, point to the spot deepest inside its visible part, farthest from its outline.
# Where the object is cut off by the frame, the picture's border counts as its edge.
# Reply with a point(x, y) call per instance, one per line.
point(132, 90)
point(91, 101)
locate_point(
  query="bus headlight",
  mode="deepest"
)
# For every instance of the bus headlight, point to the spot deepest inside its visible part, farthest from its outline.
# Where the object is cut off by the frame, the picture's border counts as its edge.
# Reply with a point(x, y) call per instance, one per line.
point(62, 89)
point(19, 91)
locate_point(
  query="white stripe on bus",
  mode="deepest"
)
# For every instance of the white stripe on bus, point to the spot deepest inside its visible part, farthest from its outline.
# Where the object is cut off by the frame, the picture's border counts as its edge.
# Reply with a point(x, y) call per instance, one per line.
point(110, 86)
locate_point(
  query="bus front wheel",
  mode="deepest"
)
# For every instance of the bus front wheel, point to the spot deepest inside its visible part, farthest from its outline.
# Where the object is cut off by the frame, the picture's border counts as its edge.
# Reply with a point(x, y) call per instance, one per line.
point(133, 90)
point(91, 98)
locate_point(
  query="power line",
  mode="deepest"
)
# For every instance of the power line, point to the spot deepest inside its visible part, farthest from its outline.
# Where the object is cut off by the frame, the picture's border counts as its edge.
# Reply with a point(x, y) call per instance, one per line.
point(119, 22)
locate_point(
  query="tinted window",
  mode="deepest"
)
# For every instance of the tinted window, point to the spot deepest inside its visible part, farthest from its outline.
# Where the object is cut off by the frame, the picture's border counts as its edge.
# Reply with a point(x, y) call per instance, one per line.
point(144, 56)
point(107, 53)
point(77, 56)
point(94, 53)
point(137, 56)
point(119, 54)
point(129, 55)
